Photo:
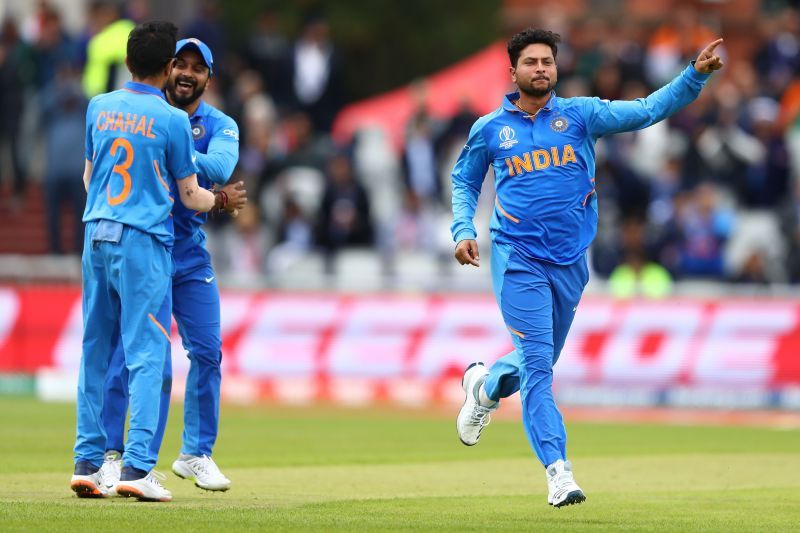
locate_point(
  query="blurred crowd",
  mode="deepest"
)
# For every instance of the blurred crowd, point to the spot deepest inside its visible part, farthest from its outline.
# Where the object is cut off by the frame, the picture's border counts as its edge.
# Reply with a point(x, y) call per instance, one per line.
point(712, 193)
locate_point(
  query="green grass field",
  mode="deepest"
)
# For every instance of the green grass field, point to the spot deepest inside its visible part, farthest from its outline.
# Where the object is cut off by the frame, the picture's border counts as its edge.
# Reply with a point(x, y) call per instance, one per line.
point(330, 469)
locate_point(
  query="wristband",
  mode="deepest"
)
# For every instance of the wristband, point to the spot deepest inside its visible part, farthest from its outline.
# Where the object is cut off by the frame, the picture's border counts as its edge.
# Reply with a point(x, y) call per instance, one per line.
point(223, 196)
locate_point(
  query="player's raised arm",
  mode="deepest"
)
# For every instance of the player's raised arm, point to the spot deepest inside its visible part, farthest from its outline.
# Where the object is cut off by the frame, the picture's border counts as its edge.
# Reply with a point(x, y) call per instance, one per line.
point(604, 117)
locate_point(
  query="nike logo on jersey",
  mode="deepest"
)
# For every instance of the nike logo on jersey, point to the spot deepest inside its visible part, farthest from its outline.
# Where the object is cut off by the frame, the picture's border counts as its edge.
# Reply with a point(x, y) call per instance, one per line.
point(209, 280)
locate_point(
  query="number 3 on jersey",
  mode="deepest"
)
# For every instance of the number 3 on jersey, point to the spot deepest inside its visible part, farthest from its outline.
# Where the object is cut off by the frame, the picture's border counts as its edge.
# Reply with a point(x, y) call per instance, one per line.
point(122, 170)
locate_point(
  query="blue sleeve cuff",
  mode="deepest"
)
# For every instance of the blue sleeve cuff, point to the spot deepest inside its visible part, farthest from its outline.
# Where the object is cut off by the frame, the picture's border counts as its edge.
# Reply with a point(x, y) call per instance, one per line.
point(694, 75)
point(464, 235)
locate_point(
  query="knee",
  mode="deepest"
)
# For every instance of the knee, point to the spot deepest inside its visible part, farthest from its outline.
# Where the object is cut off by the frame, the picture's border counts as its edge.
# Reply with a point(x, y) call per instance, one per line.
point(207, 358)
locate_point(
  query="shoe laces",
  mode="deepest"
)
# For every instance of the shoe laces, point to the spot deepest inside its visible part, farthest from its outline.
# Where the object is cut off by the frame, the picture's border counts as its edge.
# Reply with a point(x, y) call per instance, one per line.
point(155, 478)
point(113, 463)
point(206, 465)
point(480, 415)
point(563, 477)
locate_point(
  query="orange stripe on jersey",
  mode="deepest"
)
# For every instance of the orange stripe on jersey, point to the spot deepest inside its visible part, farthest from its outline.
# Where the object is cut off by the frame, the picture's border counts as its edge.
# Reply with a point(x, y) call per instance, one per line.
point(515, 332)
point(164, 183)
point(158, 325)
point(503, 212)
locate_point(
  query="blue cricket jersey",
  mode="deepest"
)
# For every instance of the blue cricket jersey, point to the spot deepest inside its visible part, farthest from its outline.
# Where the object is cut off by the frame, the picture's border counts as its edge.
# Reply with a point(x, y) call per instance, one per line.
point(216, 141)
point(138, 145)
point(544, 166)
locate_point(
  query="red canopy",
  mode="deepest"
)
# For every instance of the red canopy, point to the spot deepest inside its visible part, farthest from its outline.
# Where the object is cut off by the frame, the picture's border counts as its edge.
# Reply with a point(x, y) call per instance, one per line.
point(481, 80)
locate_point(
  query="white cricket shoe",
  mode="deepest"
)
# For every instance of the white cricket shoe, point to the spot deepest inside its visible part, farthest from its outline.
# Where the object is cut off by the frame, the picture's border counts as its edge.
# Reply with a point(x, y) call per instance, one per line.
point(203, 470)
point(473, 416)
point(146, 489)
point(85, 484)
point(562, 489)
point(111, 470)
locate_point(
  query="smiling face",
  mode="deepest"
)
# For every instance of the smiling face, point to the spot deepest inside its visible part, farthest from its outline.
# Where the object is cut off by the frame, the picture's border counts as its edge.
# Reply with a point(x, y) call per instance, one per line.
point(189, 78)
point(535, 72)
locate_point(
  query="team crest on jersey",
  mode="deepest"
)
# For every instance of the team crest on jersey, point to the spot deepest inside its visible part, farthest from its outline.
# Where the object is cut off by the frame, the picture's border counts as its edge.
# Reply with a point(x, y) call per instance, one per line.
point(507, 136)
point(559, 124)
point(198, 131)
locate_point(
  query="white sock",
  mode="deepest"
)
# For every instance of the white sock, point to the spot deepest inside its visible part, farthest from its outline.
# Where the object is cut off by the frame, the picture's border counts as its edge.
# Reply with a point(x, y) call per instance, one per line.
point(483, 399)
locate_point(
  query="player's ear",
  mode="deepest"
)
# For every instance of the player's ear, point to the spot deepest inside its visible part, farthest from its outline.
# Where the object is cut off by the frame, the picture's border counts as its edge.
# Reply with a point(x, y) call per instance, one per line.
point(168, 68)
point(513, 73)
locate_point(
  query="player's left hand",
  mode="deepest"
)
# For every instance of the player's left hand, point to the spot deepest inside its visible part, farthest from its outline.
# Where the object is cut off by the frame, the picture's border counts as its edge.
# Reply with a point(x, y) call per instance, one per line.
point(707, 62)
point(237, 197)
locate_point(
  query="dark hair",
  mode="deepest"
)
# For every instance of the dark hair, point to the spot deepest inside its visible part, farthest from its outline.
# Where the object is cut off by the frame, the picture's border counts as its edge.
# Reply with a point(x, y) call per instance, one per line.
point(151, 45)
point(531, 36)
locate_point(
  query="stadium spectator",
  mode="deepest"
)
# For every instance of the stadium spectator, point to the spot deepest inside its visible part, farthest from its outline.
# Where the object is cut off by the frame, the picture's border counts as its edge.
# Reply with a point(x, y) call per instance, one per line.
point(674, 43)
point(105, 52)
point(206, 26)
point(637, 276)
point(778, 60)
point(63, 117)
point(790, 228)
point(316, 73)
point(420, 164)
point(267, 51)
point(294, 237)
point(765, 182)
point(53, 49)
point(16, 73)
point(344, 215)
point(702, 227)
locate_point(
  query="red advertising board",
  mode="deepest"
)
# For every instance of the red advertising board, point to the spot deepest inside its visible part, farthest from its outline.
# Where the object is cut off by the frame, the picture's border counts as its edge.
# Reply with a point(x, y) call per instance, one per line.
point(309, 345)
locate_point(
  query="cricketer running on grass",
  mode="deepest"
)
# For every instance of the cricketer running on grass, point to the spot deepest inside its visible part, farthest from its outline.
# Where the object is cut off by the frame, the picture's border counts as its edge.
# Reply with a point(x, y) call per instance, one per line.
point(541, 148)
point(137, 146)
point(195, 295)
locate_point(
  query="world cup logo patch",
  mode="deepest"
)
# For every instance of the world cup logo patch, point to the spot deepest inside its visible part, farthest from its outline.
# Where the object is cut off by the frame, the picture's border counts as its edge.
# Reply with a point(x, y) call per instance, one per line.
point(198, 131)
point(559, 124)
point(507, 135)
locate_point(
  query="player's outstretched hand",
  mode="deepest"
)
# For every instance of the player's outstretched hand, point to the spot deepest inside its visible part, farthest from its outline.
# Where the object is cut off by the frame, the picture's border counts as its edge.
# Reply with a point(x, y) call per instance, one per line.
point(237, 197)
point(707, 62)
point(467, 253)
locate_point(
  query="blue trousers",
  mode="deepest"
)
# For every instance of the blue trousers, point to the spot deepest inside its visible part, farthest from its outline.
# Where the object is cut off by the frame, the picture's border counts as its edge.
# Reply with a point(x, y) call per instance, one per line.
point(196, 307)
point(538, 301)
point(126, 284)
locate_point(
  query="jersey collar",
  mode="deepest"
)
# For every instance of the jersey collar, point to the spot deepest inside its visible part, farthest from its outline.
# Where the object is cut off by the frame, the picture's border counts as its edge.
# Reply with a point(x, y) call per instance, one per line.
point(200, 112)
point(510, 98)
point(136, 87)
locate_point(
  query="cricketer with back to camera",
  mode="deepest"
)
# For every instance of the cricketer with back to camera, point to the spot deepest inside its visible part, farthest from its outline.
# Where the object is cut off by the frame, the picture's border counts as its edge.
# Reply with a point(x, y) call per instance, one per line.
point(195, 294)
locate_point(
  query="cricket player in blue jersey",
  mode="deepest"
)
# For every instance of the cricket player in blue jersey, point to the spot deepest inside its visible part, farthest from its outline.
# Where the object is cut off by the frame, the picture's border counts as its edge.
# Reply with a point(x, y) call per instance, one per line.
point(541, 148)
point(195, 295)
point(137, 145)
